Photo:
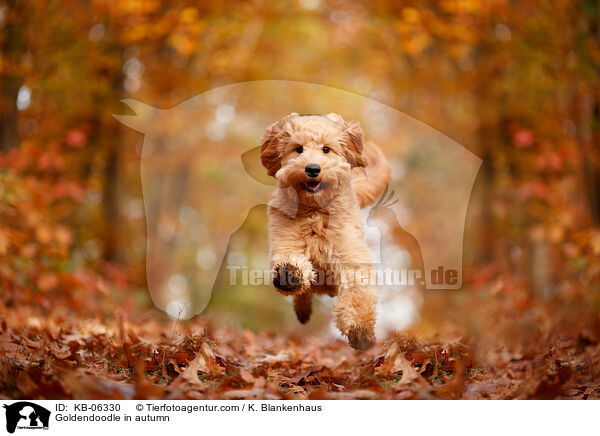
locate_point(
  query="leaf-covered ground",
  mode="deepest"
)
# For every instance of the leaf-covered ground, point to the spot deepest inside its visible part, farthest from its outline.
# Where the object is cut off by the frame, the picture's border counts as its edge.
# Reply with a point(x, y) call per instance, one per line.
point(65, 356)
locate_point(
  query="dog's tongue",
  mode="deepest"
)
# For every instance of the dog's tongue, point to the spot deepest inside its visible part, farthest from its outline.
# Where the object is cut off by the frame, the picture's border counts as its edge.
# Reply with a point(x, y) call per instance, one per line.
point(312, 183)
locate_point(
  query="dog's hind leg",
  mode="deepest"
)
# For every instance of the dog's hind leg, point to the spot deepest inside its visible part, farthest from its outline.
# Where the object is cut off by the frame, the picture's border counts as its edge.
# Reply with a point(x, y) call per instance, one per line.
point(303, 306)
point(354, 312)
point(355, 308)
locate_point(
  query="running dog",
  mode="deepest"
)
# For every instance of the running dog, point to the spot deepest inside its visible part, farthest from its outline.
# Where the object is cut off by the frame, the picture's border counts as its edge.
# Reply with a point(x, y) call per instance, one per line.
point(325, 174)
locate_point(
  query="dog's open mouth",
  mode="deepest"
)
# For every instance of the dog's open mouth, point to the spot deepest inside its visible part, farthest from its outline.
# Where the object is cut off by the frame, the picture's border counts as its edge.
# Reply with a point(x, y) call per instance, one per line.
point(313, 186)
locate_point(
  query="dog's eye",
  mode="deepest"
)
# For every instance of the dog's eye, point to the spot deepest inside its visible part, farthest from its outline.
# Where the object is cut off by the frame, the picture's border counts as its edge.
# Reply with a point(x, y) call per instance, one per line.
point(299, 149)
point(326, 149)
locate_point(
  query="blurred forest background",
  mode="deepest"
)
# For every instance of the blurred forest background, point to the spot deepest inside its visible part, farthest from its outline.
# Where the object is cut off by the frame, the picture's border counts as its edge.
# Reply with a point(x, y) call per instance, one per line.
point(517, 83)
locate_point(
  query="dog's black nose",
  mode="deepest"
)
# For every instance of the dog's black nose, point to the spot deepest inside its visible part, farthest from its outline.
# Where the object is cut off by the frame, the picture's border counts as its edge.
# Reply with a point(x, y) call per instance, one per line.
point(312, 170)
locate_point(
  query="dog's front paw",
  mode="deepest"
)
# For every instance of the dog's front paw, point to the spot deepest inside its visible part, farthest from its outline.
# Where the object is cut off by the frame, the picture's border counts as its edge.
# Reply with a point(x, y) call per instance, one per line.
point(287, 277)
point(361, 338)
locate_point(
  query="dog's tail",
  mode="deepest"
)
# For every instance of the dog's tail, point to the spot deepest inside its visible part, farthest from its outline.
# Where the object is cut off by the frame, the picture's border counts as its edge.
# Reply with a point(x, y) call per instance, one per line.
point(370, 182)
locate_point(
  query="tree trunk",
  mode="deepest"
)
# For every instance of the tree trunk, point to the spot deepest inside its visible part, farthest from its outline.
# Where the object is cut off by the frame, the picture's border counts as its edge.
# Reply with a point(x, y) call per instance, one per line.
point(111, 201)
point(12, 46)
point(9, 138)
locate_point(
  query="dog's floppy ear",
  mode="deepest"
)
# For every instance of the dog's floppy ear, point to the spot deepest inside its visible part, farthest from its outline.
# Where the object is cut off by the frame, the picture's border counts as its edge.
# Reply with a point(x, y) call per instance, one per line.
point(270, 145)
point(353, 143)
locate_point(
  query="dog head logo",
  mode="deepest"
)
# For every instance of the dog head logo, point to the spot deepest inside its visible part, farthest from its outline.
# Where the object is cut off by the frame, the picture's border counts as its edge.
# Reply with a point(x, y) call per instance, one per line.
point(26, 415)
point(202, 175)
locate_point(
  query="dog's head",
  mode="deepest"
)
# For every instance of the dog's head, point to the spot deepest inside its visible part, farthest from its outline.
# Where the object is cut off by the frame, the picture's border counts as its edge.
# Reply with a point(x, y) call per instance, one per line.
point(313, 154)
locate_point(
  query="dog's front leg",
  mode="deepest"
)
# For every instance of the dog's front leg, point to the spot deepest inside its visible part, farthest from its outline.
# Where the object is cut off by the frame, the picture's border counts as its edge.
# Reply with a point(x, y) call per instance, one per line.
point(292, 271)
point(355, 307)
